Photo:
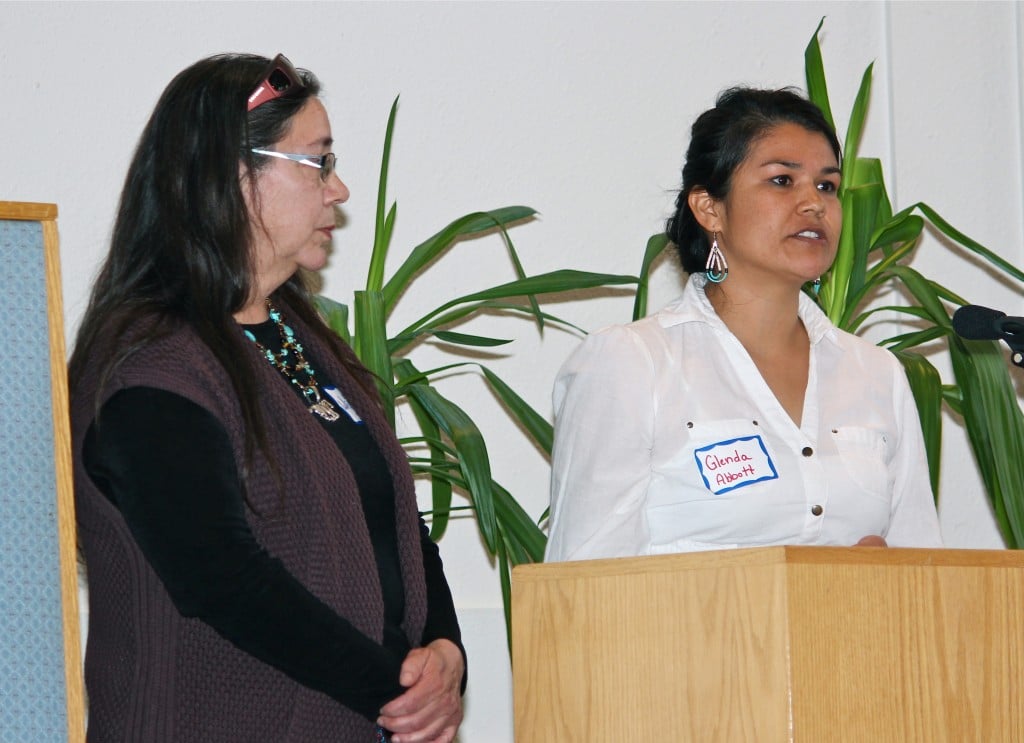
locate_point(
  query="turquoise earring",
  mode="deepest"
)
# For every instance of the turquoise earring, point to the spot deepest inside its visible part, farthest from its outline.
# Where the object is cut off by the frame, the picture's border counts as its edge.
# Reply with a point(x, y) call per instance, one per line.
point(716, 268)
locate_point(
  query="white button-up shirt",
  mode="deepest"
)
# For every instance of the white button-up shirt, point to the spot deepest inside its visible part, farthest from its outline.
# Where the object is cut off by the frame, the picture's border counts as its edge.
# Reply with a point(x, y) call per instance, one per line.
point(667, 439)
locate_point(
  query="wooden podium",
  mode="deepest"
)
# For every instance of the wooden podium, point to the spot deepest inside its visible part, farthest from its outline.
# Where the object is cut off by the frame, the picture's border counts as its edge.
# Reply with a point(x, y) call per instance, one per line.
point(806, 644)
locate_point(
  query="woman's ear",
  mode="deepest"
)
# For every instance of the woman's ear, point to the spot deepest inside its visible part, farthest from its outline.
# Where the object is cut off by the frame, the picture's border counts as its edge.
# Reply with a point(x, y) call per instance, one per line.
point(706, 209)
point(248, 186)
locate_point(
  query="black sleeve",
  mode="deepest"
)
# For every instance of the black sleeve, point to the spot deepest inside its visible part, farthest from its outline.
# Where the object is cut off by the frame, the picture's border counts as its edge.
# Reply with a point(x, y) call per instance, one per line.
point(167, 465)
point(442, 623)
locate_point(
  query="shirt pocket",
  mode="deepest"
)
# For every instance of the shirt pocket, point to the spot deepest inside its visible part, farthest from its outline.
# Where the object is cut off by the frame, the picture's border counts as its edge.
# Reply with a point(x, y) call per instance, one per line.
point(862, 452)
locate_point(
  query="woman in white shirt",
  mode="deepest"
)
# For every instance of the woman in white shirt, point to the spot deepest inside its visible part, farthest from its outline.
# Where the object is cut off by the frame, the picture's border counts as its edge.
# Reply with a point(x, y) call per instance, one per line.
point(739, 416)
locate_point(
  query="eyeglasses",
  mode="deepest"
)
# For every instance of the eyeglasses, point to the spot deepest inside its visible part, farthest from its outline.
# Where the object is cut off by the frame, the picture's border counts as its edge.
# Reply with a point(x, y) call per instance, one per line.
point(277, 80)
point(326, 162)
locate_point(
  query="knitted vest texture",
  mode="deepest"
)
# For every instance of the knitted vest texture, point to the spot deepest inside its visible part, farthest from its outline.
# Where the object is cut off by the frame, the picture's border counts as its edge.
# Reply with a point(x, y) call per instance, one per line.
point(154, 676)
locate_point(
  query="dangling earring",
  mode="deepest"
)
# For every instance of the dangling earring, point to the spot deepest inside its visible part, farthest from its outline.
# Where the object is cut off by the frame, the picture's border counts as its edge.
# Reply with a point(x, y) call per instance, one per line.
point(716, 269)
point(817, 286)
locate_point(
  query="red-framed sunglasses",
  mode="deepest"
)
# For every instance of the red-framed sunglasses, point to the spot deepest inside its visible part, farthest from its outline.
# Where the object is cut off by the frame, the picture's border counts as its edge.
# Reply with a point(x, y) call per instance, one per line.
point(279, 78)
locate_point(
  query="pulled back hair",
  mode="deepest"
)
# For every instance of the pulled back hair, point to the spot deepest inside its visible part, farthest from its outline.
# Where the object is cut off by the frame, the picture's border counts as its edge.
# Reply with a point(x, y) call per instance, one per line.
point(182, 248)
point(720, 140)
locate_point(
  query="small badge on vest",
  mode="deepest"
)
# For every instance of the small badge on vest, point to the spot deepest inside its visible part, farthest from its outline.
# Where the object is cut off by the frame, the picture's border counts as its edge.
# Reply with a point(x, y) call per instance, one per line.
point(335, 394)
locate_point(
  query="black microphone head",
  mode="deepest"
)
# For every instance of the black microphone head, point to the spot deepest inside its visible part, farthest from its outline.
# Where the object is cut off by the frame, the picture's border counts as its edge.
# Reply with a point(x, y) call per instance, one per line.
point(976, 323)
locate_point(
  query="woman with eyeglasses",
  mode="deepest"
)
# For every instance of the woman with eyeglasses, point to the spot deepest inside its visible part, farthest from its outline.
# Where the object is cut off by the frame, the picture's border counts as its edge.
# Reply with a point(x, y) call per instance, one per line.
point(257, 567)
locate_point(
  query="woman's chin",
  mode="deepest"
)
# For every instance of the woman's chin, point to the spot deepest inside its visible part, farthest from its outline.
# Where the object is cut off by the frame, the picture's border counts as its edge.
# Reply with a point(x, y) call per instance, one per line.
point(314, 259)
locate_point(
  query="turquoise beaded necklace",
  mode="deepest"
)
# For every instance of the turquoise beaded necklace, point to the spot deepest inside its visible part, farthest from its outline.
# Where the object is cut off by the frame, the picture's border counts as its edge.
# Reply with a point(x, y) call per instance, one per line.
point(291, 362)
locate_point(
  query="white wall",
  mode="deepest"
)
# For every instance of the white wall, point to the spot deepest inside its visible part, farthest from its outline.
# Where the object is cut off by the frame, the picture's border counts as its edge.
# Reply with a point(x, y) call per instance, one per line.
point(580, 110)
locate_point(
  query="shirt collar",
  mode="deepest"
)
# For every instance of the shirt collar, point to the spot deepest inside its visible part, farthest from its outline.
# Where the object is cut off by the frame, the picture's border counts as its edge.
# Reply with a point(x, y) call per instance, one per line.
point(693, 306)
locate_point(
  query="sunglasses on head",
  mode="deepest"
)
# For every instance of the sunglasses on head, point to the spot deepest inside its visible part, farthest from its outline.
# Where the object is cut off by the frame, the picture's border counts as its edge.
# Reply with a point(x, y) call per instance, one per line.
point(277, 80)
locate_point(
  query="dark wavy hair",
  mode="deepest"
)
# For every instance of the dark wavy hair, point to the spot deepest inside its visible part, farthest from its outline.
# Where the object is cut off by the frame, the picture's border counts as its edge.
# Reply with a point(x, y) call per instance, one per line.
point(720, 139)
point(182, 246)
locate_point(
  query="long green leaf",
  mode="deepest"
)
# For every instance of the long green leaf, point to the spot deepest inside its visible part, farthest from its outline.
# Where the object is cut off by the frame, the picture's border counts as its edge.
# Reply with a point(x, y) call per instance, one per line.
point(440, 487)
point(903, 229)
point(869, 170)
point(924, 292)
point(371, 345)
point(521, 274)
point(880, 271)
point(904, 309)
point(382, 224)
point(424, 376)
point(835, 286)
point(468, 225)
point(471, 308)
point(518, 526)
point(655, 245)
point(534, 423)
point(524, 537)
point(814, 68)
point(857, 115)
point(399, 342)
point(869, 197)
point(505, 576)
point(467, 441)
point(914, 339)
point(995, 427)
point(433, 469)
point(464, 339)
point(335, 314)
point(952, 396)
point(563, 280)
point(860, 225)
point(927, 389)
point(385, 240)
point(975, 247)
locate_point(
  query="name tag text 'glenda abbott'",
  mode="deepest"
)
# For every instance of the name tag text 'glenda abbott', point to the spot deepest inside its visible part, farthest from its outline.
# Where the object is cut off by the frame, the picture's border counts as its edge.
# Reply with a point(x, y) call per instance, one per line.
point(735, 463)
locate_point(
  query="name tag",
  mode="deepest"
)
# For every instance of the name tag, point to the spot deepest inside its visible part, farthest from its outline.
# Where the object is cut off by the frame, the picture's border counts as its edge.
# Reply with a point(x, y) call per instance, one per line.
point(339, 399)
point(735, 463)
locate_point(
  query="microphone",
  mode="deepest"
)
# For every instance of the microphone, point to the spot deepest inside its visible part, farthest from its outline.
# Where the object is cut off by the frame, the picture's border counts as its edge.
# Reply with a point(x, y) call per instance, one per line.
point(975, 323)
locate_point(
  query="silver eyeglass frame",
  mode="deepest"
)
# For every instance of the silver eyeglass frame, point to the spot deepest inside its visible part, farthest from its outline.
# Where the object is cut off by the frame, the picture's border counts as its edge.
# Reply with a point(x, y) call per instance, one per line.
point(325, 163)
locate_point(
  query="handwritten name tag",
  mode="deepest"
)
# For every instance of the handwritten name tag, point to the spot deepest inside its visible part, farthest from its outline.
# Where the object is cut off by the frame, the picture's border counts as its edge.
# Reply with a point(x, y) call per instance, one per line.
point(735, 463)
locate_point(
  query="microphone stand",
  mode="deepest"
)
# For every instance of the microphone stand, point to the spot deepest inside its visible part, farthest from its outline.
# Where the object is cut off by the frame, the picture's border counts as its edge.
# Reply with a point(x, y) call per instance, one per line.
point(1017, 355)
point(1011, 330)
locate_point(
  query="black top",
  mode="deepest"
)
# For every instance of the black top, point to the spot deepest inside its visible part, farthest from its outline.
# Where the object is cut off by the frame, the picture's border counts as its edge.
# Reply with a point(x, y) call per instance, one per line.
point(192, 529)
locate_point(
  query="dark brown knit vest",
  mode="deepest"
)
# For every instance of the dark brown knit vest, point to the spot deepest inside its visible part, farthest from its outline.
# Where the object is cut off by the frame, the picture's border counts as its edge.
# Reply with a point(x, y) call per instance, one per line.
point(154, 676)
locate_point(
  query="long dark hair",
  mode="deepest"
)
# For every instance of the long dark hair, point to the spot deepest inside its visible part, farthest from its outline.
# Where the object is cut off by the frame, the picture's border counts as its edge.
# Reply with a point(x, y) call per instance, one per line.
point(182, 247)
point(719, 142)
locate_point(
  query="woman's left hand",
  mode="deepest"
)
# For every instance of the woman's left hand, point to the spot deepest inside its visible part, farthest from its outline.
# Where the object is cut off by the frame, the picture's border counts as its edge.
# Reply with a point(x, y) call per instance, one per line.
point(430, 709)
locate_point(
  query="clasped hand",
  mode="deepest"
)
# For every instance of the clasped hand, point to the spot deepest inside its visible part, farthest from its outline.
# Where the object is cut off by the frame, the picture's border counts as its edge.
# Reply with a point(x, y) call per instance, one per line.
point(430, 709)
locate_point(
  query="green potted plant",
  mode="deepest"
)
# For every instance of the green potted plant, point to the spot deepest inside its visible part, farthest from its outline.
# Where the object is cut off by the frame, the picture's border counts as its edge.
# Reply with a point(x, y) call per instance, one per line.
point(450, 450)
point(876, 249)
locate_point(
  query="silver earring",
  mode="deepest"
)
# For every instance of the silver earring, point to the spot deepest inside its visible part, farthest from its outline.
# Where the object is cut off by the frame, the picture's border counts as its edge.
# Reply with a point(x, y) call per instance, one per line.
point(716, 268)
point(817, 286)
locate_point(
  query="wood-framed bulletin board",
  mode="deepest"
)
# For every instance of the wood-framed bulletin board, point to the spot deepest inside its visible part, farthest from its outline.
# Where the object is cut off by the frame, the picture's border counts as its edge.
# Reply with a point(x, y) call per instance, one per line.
point(41, 690)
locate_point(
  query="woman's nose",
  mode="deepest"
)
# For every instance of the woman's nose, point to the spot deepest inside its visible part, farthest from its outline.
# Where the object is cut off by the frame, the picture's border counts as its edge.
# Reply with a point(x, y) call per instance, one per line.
point(813, 202)
point(335, 191)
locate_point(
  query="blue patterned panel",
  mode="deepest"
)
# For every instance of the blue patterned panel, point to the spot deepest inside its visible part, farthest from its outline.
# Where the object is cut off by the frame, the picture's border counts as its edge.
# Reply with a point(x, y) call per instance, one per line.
point(32, 686)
